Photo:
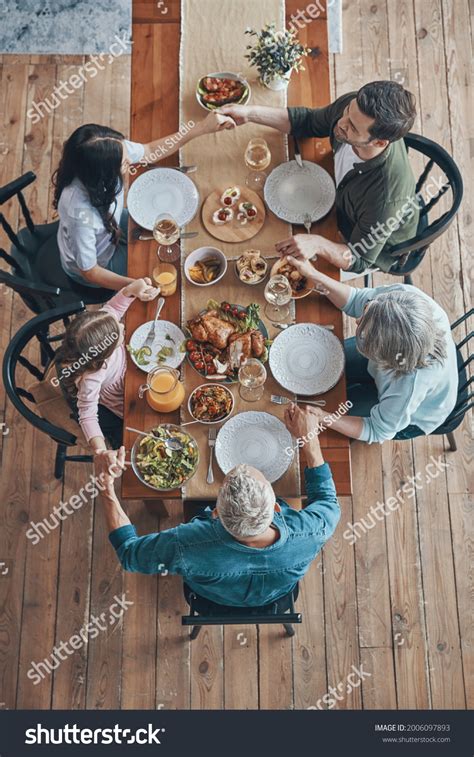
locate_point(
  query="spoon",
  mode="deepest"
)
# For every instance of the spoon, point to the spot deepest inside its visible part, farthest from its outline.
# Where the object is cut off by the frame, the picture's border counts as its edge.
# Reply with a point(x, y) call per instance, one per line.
point(171, 443)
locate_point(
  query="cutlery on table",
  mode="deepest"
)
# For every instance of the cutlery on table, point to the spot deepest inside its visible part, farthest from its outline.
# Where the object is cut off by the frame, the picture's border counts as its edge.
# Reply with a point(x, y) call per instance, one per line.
point(307, 222)
point(137, 235)
point(298, 153)
point(171, 442)
point(212, 444)
point(278, 399)
point(283, 326)
point(151, 332)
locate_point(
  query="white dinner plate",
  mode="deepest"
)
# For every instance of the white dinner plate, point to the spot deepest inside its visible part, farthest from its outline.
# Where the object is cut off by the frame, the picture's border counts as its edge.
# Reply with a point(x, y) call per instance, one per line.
point(162, 190)
point(162, 330)
point(292, 192)
point(257, 439)
point(307, 359)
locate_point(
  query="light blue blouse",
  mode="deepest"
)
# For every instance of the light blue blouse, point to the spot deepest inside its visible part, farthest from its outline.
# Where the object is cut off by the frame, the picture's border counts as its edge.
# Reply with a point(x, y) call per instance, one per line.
point(423, 398)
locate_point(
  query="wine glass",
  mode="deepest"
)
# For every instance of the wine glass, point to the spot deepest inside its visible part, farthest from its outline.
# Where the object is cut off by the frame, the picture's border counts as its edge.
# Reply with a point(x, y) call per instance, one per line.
point(166, 232)
point(252, 377)
point(258, 158)
point(278, 295)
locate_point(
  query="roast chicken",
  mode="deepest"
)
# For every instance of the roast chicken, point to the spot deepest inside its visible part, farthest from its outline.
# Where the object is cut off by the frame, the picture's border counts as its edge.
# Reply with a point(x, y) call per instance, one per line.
point(213, 329)
point(243, 346)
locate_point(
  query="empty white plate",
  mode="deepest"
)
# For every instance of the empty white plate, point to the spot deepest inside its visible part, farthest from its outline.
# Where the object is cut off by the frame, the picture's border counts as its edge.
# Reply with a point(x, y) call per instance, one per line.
point(307, 359)
point(292, 192)
point(162, 190)
point(257, 439)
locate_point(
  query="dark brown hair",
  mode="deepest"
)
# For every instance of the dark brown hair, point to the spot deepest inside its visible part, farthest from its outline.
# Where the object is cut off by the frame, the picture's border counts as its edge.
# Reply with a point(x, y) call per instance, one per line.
point(392, 108)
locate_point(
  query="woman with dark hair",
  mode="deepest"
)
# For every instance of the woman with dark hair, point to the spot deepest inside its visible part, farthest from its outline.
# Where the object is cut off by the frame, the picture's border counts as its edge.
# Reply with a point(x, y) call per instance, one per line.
point(89, 196)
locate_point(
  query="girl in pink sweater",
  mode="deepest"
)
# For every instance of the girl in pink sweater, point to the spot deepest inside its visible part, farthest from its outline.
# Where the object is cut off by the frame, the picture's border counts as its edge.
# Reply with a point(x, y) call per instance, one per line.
point(91, 367)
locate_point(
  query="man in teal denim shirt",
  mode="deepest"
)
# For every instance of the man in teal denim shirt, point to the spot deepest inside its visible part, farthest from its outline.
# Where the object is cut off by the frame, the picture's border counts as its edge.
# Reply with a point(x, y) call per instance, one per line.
point(253, 548)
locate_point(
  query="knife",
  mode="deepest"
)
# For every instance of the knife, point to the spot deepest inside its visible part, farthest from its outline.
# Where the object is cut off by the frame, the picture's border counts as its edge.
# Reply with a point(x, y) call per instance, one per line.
point(298, 153)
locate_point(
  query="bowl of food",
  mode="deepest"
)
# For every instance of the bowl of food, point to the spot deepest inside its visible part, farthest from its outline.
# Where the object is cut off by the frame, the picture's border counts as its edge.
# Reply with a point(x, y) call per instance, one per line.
point(205, 266)
point(251, 268)
point(225, 88)
point(159, 467)
point(299, 283)
point(211, 403)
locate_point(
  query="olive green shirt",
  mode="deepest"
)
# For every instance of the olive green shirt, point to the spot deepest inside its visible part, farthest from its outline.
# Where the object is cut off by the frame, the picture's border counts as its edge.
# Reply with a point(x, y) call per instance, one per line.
point(376, 203)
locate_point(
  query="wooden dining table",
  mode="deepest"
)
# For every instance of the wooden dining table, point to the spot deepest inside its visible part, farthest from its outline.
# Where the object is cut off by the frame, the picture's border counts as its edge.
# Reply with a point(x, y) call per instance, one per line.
point(154, 114)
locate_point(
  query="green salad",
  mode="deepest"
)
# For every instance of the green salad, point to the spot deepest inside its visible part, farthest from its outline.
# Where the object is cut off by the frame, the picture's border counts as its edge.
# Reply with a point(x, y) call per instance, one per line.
point(162, 467)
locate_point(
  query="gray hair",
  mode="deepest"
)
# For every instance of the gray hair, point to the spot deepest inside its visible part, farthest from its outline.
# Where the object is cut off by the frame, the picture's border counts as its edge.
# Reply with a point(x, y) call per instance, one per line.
point(245, 505)
point(398, 331)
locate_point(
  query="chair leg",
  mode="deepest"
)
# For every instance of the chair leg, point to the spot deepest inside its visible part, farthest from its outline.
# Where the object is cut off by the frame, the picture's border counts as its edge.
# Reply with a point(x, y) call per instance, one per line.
point(408, 279)
point(195, 633)
point(452, 441)
point(290, 631)
point(368, 280)
point(60, 461)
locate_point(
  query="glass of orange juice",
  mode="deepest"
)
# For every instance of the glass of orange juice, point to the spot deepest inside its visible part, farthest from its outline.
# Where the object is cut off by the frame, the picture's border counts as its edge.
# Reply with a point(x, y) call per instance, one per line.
point(165, 276)
point(165, 392)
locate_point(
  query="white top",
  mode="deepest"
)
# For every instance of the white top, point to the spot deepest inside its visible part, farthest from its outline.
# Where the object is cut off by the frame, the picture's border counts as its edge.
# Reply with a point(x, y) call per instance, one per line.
point(423, 398)
point(344, 161)
point(82, 237)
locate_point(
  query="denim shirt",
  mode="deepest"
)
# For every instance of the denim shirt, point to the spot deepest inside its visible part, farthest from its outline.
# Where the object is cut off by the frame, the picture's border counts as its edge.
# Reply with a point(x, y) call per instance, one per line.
point(218, 567)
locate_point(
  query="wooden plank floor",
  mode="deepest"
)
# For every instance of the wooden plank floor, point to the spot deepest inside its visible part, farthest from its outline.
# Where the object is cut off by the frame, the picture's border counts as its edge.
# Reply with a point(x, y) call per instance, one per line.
point(396, 603)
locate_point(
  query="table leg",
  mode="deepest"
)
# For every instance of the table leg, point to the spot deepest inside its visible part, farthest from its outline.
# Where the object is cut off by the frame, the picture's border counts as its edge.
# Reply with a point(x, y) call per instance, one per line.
point(157, 507)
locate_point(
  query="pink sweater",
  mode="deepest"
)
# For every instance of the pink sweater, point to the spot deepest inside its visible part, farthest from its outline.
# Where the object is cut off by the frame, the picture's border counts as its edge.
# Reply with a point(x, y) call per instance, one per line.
point(105, 386)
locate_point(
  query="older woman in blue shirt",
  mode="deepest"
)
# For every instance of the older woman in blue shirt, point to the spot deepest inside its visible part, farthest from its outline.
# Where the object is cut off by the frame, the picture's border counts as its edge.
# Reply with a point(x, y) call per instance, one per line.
point(401, 367)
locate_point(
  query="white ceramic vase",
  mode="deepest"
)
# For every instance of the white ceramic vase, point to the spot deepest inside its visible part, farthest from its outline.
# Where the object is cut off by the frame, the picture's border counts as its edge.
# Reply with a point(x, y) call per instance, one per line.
point(278, 82)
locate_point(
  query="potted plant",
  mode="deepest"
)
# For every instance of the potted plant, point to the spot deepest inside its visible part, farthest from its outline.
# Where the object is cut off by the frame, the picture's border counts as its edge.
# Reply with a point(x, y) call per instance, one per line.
point(276, 54)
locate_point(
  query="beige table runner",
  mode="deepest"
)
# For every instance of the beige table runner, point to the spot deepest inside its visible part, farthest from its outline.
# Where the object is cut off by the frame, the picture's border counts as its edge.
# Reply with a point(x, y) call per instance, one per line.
point(208, 46)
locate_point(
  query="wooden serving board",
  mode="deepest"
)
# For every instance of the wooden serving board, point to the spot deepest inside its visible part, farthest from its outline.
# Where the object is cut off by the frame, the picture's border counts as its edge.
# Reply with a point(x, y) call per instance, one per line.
point(233, 231)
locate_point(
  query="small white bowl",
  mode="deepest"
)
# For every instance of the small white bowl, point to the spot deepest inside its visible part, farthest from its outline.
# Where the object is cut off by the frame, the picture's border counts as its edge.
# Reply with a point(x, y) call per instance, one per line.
point(224, 75)
point(201, 254)
point(204, 386)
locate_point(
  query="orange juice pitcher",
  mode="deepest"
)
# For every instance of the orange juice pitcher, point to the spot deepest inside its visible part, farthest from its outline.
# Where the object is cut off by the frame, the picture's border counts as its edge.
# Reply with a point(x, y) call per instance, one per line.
point(165, 392)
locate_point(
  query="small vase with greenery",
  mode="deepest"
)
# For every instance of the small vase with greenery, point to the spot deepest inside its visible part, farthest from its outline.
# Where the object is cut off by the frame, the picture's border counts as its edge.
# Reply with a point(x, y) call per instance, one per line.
point(276, 54)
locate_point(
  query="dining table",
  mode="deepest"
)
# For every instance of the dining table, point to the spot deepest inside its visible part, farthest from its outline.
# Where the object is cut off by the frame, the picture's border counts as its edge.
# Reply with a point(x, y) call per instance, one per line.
point(171, 50)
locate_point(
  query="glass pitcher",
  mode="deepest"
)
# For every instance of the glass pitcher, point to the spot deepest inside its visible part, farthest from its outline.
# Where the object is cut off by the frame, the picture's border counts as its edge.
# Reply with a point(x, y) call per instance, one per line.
point(164, 391)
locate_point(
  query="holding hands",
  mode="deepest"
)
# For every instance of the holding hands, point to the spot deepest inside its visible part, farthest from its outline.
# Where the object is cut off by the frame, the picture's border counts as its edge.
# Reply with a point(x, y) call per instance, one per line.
point(216, 121)
point(143, 289)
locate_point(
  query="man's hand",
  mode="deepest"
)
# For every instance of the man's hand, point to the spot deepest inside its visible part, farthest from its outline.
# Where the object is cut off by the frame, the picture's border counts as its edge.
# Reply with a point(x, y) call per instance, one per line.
point(239, 113)
point(300, 422)
point(216, 121)
point(143, 289)
point(302, 246)
point(109, 464)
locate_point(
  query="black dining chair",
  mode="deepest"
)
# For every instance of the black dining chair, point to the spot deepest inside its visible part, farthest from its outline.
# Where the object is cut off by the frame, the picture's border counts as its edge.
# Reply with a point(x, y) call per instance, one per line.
point(34, 255)
point(203, 612)
point(59, 423)
point(411, 253)
point(465, 398)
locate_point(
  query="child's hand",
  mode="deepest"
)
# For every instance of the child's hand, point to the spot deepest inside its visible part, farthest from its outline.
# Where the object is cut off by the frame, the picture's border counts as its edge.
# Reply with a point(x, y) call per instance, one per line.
point(143, 289)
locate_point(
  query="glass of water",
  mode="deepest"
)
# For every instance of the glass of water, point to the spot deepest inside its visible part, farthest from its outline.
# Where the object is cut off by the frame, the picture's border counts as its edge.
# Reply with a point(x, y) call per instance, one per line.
point(278, 295)
point(252, 377)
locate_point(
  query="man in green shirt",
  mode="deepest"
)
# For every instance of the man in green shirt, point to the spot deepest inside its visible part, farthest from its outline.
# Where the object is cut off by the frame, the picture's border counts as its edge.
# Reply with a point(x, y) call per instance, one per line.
point(376, 202)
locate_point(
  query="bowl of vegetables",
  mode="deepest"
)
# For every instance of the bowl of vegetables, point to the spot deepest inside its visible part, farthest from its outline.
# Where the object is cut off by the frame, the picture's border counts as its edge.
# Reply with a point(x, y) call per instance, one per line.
point(211, 403)
point(160, 467)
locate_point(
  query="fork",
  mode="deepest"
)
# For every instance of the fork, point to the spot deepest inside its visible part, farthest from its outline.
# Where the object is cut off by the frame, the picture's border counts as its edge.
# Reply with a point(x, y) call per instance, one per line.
point(307, 222)
point(212, 444)
point(151, 332)
point(278, 399)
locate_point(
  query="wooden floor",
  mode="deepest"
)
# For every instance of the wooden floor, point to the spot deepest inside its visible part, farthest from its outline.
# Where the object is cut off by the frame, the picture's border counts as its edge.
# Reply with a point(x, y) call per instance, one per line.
point(397, 603)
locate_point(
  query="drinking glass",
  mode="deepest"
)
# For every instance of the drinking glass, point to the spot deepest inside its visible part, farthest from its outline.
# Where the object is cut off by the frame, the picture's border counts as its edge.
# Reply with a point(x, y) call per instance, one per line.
point(165, 277)
point(258, 158)
point(166, 232)
point(252, 377)
point(278, 295)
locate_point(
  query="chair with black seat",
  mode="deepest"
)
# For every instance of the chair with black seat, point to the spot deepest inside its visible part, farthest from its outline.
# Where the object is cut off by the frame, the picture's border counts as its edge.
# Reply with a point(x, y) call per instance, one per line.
point(411, 253)
point(34, 254)
point(465, 397)
point(43, 404)
point(203, 612)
